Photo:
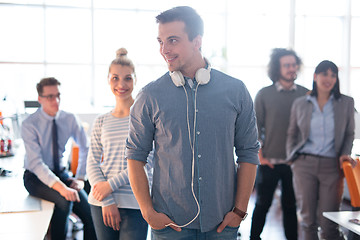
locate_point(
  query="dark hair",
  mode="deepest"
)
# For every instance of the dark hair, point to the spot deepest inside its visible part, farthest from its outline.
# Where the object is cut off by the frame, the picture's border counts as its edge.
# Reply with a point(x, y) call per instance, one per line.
point(322, 68)
point(274, 64)
point(50, 81)
point(194, 25)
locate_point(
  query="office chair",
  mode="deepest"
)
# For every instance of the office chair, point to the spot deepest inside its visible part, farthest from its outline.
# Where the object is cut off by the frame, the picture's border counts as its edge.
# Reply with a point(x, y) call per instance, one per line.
point(73, 167)
point(352, 176)
point(31, 105)
point(74, 158)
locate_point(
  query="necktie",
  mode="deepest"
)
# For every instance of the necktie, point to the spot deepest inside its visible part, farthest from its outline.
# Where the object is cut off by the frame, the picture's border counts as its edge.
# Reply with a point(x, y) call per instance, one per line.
point(55, 148)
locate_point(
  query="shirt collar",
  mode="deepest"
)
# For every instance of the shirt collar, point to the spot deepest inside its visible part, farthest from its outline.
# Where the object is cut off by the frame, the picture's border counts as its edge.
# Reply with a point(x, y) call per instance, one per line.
point(313, 98)
point(47, 116)
point(280, 87)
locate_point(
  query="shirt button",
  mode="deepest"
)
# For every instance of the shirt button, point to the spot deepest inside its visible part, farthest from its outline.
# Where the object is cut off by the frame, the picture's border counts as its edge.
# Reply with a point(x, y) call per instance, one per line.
point(198, 132)
point(199, 156)
point(200, 178)
point(197, 110)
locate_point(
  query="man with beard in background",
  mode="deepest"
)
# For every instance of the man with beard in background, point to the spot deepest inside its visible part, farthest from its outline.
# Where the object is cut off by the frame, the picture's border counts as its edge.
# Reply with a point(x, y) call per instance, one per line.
point(272, 106)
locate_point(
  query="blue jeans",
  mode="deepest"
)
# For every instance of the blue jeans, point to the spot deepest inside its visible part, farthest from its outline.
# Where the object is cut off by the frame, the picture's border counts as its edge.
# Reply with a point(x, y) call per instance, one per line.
point(132, 225)
point(229, 233)
point(63, 208)
point(267, 180)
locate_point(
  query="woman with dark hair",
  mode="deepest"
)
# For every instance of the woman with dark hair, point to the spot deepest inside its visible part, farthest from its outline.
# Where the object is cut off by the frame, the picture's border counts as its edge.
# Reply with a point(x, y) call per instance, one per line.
point(320, 137)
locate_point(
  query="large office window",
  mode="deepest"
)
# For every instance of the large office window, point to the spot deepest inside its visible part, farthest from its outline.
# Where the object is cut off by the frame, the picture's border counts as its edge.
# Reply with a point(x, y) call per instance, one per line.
point(75, 41)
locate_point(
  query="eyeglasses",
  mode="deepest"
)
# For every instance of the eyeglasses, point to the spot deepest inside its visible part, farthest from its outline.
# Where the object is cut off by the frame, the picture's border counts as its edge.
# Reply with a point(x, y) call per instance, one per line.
point(51, 97)
point(288, 65)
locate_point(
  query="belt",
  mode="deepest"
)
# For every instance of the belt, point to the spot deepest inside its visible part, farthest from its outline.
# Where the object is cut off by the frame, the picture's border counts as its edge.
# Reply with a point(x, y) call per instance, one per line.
point(313, 155)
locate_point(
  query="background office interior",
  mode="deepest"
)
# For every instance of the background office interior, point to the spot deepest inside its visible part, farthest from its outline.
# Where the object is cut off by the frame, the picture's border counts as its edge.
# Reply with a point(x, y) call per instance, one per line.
point(75, 41)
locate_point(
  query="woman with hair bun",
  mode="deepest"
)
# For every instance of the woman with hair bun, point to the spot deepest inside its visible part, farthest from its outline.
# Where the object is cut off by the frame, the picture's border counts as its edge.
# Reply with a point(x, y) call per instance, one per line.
point(320, 138)
point(114, 209)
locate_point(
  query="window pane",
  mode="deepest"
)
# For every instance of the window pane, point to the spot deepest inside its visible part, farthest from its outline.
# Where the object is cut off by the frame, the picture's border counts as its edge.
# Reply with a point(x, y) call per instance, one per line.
point(319, 38)
point(355, 86)
point(18, 82)
point(254, 78)
point(57, 35)
point(321, 7)
point(355, 39)
point(76, 85)
point(76, 3)
point(214, 40)
point(259, 7)
point(159, 6)
point(22, 34)
point(250, 44)
point(103, 95)
point(306, 76)
point(25, 1)
point(139, 37)
point(355, 8)
point(68, 35)
point(148, 73)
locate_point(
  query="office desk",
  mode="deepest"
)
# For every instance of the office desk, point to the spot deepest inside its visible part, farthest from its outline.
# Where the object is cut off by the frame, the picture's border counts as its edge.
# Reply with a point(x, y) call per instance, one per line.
point(342, 218)
point(31, 224)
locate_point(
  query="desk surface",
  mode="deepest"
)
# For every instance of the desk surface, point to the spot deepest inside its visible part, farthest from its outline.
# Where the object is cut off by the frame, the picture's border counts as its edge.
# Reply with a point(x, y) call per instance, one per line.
point(342, 218)
point(30, 225)
point(26, 225)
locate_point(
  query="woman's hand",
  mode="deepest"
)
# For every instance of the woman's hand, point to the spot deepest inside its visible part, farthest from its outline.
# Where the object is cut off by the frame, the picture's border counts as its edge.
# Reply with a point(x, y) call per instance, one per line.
point(101, 190)
point(349, 159)
point(111, 217)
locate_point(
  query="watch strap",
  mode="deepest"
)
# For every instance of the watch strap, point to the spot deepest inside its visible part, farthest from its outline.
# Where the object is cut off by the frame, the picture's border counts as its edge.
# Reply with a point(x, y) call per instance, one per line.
point(240, 213)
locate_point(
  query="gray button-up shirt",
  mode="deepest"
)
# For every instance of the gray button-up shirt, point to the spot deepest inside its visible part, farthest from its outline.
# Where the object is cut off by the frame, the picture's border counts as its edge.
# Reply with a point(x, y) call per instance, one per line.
point(36, 131)
point(321, 139)
point(225, 119)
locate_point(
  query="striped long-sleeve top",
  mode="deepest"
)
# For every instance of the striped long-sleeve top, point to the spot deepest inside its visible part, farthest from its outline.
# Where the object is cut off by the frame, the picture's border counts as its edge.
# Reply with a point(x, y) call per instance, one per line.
point(106, 161)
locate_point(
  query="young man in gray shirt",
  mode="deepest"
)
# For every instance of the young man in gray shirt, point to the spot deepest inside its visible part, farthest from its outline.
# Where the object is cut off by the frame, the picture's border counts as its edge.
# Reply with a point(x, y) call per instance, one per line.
point(195, 116)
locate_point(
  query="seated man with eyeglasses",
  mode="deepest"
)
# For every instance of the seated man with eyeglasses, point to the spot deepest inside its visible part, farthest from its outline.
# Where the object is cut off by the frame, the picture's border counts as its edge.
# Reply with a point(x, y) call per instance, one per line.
point(45, 134)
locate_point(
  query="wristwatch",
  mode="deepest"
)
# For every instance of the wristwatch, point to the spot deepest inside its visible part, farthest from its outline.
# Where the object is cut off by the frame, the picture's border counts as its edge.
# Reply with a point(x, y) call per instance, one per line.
point(240, 213)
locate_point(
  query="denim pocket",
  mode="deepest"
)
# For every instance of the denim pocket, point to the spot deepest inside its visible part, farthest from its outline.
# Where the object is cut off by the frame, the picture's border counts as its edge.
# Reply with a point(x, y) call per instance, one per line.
point(231, 228)
point(163, 230)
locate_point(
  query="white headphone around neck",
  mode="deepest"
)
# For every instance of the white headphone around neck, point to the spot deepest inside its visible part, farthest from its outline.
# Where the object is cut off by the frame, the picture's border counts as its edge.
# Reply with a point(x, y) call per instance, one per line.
point(202, 76)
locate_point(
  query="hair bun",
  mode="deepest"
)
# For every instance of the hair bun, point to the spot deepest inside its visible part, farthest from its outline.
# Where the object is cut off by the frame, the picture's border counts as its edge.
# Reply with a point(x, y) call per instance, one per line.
point(121, 52)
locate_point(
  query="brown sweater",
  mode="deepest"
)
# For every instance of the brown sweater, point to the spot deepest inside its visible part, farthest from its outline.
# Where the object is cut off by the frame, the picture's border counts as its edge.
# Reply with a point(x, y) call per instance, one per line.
point(273, 113)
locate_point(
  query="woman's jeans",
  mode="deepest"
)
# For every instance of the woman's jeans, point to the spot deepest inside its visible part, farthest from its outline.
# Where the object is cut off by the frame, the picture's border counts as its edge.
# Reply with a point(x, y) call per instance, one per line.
point(132, 225)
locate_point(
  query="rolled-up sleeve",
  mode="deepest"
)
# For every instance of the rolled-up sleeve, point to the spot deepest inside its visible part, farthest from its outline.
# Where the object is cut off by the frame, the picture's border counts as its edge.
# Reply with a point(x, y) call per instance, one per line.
point(141, 130)
point(246, 133)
